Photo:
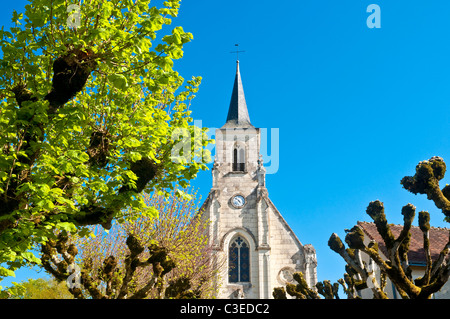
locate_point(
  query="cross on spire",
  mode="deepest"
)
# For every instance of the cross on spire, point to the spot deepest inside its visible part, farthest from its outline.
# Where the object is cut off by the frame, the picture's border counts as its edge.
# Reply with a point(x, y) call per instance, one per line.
point(237, 51)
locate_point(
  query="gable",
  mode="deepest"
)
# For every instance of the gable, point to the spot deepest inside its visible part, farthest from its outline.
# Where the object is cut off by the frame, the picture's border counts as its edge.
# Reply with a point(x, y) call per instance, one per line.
point(282, 221)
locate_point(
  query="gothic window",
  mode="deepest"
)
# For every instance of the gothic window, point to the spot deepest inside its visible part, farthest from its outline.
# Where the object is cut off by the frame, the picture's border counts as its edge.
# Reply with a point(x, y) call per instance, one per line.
point(238, 159)
point(235, 158)
point(239, 261)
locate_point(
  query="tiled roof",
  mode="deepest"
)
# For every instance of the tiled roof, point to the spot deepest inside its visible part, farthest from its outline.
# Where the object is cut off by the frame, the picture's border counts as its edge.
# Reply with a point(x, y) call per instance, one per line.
point(416, 255)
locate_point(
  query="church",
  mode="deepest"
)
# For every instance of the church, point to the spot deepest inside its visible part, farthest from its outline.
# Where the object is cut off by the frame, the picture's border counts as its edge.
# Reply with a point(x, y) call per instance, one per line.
point(253, 245)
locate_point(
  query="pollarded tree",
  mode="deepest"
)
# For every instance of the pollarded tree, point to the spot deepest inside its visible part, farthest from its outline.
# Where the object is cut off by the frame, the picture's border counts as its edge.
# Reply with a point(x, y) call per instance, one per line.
point(361, 275)
point(165, 257)
point(90, 114)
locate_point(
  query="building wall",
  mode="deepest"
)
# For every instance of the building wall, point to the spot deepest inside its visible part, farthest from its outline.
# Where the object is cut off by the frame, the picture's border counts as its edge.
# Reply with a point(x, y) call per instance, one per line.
point(273, 263)
point(392, 293)
point(287, 254)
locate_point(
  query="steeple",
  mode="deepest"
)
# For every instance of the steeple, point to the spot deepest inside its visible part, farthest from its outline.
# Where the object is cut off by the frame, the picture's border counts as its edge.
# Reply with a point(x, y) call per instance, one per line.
point(238, 113)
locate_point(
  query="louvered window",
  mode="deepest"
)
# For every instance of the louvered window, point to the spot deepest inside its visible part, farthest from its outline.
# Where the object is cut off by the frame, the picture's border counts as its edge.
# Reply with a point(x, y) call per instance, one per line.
point(238, 160)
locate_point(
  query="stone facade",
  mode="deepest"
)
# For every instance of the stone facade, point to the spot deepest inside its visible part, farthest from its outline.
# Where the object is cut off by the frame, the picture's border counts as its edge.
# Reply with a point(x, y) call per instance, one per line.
point(274, 252)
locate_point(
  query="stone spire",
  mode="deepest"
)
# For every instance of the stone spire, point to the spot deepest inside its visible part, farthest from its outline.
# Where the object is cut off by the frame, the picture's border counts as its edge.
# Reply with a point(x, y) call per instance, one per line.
point(238, 113)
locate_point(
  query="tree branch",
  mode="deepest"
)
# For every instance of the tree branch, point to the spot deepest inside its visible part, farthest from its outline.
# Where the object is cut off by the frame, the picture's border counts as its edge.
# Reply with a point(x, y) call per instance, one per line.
point(426, 181)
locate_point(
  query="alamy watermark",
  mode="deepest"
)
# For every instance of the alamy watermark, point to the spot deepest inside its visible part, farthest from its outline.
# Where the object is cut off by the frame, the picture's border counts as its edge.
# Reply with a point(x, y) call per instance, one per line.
point(181, 151)
point(74, 19)
point(74, 280)
point(374, 19)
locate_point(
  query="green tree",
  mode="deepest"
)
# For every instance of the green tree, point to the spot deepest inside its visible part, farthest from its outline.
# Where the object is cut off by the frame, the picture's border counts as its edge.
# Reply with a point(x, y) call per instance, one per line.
point(165, 257)
point(361, 275)
point(41, 288)
point(91, 111)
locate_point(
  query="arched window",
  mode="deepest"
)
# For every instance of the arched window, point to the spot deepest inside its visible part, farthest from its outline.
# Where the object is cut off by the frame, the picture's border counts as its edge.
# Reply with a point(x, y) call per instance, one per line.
point(238, 159)
point(235, 160)
point(239, 261)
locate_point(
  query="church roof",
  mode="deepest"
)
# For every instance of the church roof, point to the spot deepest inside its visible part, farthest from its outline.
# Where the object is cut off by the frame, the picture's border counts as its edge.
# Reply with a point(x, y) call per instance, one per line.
point(416, 254)
point(238, 113)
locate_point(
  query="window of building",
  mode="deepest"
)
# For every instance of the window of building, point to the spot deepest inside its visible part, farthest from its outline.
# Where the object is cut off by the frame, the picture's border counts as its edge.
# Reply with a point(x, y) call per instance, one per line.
point(239, 261)
point(238, 159)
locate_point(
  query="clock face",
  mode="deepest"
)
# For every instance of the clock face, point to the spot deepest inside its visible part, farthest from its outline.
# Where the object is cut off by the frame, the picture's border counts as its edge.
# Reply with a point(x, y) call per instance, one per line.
point(238, 201)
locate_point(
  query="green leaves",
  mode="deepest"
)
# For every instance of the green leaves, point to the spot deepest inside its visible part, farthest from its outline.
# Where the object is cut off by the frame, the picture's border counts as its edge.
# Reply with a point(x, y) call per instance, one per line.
point(68, 227)
point(119, 81)
point(68, 167)
point(6, 272)
point(176, 42)
point(16, 17)
point(30, 257)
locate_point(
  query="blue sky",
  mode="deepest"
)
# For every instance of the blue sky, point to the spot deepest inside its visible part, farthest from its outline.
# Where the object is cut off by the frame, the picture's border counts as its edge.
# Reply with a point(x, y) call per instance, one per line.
point(356, 108)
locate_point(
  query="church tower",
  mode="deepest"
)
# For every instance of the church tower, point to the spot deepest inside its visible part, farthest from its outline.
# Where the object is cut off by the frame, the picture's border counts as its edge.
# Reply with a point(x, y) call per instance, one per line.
point(253, 245)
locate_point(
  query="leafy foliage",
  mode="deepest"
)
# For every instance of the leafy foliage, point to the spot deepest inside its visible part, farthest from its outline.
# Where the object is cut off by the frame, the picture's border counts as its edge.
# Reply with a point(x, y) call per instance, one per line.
point(88, 114)
point(40, 288)
point(165, 257)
